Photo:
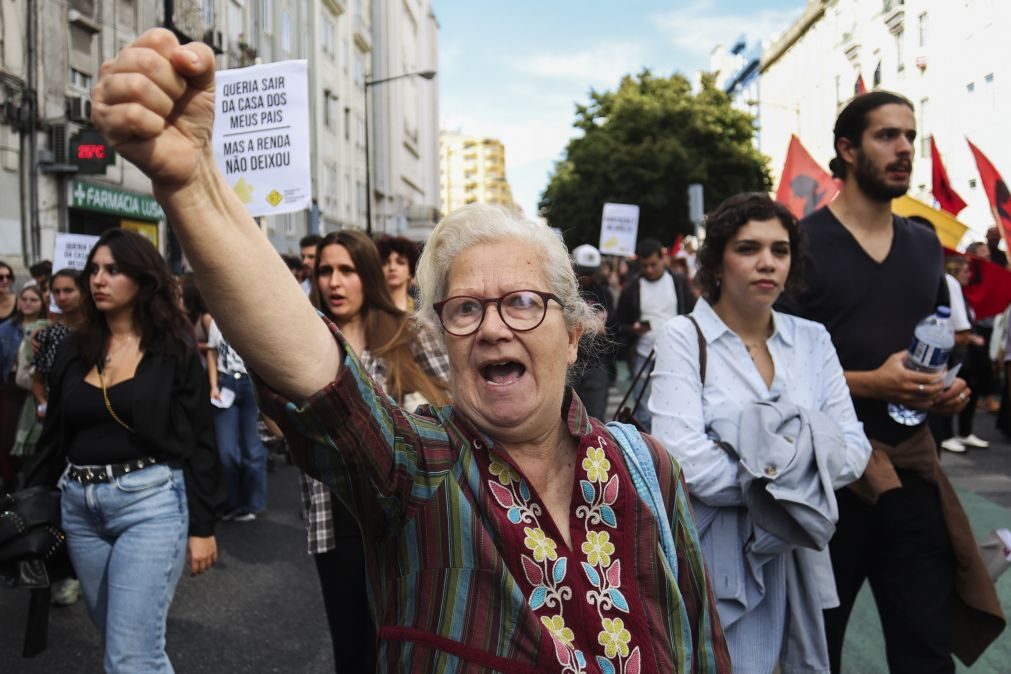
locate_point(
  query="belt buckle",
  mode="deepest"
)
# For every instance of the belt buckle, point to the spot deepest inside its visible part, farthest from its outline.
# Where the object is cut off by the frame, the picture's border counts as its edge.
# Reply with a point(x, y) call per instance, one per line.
point(237, 375)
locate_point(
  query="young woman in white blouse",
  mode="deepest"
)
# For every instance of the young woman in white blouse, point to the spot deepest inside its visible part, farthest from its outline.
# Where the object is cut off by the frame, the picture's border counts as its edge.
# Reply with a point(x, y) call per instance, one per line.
point(751, 353)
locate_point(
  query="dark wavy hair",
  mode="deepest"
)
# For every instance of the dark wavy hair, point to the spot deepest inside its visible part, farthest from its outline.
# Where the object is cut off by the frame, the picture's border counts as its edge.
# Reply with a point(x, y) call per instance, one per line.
point(721, 226)
point(401, 245)
point(389, 331)
point(156, 312)
point(852, 122)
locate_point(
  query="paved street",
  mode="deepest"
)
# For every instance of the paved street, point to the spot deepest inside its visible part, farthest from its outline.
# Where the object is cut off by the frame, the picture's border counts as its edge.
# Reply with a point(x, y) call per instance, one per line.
point(259, 609)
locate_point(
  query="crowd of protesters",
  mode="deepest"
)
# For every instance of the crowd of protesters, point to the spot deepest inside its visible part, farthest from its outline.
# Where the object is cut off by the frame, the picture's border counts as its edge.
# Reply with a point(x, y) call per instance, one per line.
point(464, 504)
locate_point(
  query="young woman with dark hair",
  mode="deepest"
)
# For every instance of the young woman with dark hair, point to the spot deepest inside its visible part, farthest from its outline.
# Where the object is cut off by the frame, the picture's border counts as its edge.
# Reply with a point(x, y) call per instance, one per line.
point(129, 440)
point(8, 299)
point(731, 359)
point(399, 256)
point(12, 331)
point(409, 361)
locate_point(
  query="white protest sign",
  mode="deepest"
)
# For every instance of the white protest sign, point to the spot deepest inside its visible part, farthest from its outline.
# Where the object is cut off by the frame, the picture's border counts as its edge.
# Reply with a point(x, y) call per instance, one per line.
point(71, 251)
point(261, 135)
point(619, 228)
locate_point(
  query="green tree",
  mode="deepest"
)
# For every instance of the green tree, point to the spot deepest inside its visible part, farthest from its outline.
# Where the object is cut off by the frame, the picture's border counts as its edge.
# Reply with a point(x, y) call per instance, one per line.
point(644, 144)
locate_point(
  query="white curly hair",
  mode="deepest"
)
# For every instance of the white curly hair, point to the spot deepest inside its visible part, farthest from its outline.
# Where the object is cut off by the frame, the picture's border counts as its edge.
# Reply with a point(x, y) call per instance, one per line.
point(480, 223)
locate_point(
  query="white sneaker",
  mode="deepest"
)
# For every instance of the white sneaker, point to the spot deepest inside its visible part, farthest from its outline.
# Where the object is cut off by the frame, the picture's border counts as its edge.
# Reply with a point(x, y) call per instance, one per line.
point(974, 442)
point(953, 445)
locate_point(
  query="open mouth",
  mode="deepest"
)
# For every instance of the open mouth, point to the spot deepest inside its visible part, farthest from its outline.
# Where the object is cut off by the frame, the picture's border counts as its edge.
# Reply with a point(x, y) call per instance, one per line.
point(503, 372)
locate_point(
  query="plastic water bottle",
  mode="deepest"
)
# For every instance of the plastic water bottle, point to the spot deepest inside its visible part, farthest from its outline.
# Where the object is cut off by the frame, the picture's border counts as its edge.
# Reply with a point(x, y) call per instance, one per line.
point(933, 340)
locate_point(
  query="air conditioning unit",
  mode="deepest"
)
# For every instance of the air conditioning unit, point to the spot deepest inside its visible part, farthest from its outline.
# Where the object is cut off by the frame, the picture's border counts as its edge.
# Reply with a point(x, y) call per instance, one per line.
point(214, 40)
point(79, 109)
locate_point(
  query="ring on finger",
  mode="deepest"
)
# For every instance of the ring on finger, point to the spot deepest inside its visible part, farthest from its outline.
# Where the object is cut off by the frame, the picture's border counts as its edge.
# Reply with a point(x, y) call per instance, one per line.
point(922, 388)
point(962, 396)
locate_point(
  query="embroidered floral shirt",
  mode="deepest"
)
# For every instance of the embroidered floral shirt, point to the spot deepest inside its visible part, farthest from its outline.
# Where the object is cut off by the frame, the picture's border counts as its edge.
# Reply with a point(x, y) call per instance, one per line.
point(467, 571)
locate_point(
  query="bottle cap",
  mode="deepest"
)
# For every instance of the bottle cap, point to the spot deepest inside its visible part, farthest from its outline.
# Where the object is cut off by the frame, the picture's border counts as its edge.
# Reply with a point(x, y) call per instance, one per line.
point(944, 312)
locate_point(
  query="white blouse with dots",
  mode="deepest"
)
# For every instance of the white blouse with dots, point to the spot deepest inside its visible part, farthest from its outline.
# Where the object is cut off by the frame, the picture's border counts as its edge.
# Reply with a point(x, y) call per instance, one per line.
point(807, 372)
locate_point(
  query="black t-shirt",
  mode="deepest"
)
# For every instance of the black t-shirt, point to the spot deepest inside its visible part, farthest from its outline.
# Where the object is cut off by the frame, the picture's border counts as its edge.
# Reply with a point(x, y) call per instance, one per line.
point(870, 308)
point(96, 438)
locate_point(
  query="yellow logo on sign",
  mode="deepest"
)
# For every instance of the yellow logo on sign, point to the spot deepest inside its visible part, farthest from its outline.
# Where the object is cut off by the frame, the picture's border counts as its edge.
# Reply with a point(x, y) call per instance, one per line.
point(274, 198)
point(244, 190)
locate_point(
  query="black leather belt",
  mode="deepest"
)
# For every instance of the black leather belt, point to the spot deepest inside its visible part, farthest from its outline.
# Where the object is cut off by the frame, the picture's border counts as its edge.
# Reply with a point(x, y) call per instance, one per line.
point(99, 474)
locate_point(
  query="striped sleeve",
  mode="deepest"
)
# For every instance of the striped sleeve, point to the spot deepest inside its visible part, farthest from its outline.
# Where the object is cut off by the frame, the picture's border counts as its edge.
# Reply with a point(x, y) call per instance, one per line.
point(357, 441)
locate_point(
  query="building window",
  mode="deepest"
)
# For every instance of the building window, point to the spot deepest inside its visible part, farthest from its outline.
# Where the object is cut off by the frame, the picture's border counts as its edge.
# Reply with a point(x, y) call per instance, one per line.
point(900, 61)
point(285, 32)
point(359, 69)
point(329, 110)
point(347, 193)
point(208, 13)
point(923, 29)
point(80, 81)
point(81, 39)
point(328, 38)
point(877, 76)
point(347, 124)
point(970, 87)
point(924, 128)
point(128, 14)
point(267, 7)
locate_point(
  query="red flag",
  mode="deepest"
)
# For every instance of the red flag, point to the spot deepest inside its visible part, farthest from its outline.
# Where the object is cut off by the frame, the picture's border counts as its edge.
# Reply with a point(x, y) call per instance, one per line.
point(996, 191)
point(859, 87)
point(943, 191)
point(989, 289)
point(676, 246)
point(804, 186)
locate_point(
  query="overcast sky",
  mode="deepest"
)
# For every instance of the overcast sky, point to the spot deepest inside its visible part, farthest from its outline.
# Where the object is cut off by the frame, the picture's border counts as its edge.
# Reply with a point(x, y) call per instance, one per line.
point(514, 70)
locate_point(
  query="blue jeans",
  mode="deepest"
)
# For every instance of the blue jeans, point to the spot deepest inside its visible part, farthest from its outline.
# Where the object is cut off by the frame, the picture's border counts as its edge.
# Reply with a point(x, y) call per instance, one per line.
point(127, 540)
point(243, 454)
point(642, 415)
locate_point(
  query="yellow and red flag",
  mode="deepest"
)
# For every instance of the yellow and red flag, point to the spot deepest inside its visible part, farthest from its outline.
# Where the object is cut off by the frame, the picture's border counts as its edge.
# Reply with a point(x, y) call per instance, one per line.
point(804, 186)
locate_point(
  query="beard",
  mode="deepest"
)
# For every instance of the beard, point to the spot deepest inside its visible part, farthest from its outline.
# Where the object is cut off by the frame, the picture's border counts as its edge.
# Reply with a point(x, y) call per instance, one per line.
point(871, 183)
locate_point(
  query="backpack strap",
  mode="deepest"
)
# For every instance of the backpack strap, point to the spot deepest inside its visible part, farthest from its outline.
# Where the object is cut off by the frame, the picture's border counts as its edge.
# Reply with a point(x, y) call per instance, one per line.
point(639, 461)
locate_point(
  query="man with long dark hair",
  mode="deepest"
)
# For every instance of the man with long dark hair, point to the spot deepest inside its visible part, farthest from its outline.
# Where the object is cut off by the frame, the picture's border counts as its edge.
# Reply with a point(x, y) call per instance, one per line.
point(870, 277)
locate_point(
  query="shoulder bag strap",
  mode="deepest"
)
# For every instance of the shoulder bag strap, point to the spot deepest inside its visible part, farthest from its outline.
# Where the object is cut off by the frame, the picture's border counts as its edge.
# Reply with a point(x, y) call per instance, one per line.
point(702, 349)
point(108, 404)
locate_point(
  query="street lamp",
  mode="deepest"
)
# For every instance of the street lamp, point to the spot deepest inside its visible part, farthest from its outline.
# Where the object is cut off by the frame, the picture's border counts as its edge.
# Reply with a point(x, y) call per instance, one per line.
point(423, 74)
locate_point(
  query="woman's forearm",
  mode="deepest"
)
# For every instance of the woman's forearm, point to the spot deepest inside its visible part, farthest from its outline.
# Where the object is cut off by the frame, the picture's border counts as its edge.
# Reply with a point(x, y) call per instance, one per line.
point(253, 297)
point(212, 368)
point(39, 389)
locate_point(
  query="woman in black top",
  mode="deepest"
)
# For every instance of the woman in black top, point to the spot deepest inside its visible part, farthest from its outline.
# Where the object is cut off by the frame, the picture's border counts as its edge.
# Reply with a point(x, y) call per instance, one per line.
point(129, 427)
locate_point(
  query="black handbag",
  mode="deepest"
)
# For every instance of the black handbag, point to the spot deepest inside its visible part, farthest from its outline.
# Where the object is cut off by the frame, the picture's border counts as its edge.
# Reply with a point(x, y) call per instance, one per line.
point(30, 535)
